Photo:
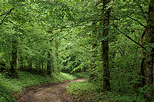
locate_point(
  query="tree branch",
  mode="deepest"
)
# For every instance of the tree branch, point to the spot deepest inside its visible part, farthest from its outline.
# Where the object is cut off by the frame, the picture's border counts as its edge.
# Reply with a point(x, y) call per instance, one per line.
point(137, 21)
point(2, 14)
point(6, 14)
point(129, 37)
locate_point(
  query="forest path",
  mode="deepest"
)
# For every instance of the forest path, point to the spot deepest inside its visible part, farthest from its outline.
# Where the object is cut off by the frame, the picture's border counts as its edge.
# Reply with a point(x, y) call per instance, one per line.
point(54, 92)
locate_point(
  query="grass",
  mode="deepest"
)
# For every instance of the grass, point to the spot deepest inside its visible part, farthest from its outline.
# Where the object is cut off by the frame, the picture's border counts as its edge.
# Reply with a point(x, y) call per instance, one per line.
point(79, 88)
point(88, 92)
point(5, 94)
point(81, 75)
point(63, 77)
point(26, 79)
point(83, 91)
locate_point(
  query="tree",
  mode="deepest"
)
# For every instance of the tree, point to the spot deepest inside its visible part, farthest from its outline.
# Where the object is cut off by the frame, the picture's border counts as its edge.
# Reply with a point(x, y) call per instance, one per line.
point(105, 46)
point(94, 47)
point(150, 51)
point(49, 69)
point(14, 57)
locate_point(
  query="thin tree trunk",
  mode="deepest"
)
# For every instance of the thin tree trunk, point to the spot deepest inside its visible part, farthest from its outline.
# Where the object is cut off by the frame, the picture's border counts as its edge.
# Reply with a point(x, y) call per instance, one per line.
point(50, 67)
point(30, 65)
point(39, 64)
point(42, 62)
point(14, 58)
point(143, 59)
point(150, 53)
point(105, 46)
point(93, 66)
point(21, 62)
point(56, 53)
point(49, 64)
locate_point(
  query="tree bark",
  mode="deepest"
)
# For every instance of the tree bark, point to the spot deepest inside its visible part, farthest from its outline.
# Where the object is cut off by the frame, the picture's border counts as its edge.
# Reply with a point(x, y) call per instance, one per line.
point(21, 62)
point(150, 53)
point(39, 64)
point(14, 59)
point(57, 57)
point(105, 46)
point(30, 64)
point(49, 64)
point(142, 70)
point(42, 62)
point(94, 45)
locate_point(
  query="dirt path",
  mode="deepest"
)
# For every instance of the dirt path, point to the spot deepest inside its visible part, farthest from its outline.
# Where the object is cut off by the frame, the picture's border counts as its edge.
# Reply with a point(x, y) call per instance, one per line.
point(55, 92)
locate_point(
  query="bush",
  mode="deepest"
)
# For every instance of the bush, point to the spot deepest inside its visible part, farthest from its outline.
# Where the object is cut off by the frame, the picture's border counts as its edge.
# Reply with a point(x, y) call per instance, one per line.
point(5, 94)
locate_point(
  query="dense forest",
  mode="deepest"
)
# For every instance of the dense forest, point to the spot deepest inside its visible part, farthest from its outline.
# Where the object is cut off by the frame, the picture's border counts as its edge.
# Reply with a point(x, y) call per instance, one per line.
point(109, 42)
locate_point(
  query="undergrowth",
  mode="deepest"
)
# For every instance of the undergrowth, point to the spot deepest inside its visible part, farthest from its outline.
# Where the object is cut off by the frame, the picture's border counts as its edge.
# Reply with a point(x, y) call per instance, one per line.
point(63, 77)
point(9, 86)
point(5, 94)
point(88, 92)
point(81, 75)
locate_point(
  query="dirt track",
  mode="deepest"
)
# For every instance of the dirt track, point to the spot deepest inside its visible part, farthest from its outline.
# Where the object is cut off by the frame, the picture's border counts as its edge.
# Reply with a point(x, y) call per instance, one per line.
point(55, 92)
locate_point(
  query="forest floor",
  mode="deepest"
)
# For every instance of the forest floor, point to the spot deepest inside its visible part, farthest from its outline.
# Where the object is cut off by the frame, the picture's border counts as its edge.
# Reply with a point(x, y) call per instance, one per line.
point(54, 92)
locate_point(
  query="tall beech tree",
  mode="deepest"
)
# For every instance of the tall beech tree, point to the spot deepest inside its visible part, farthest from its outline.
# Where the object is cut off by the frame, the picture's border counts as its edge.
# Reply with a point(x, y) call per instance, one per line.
point(105, 47)
point(150, 51)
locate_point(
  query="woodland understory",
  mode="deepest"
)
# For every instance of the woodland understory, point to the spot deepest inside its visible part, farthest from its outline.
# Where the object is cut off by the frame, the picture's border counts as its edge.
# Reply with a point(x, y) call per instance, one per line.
point(110, 42)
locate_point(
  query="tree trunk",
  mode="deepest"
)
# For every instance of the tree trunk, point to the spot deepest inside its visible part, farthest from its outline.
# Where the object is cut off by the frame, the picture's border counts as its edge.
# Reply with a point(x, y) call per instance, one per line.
point(56, 53)
point(105, 46)
point(39, 64)
point(142, 70)
point(150, 53)
point(21, 62)
point(42, 62)
point(30, 64)
point(93, 66)
point(14, 59)
point(49, 64)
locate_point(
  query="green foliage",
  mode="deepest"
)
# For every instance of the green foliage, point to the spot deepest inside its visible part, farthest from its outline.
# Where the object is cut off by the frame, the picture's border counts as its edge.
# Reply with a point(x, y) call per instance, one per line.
point(5, 93)
point(85, 91)
point(60, 77)
point(81, 75)
point(124, 54)
point(26, 79)
point(81, 89)
point(60, 33)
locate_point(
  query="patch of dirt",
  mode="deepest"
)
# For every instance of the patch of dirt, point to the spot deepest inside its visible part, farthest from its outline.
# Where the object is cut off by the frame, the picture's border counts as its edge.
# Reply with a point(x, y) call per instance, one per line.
point(54, 92)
